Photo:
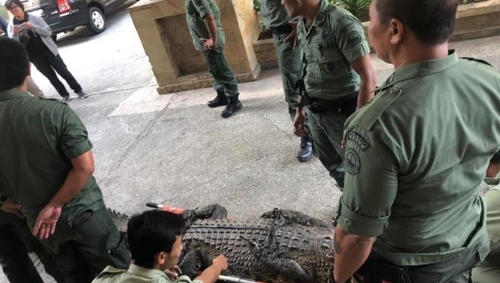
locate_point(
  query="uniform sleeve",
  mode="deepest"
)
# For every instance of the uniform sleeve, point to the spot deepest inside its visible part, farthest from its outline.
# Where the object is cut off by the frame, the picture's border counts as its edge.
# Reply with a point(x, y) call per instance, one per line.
point(370, 183)
point(202, 7)
point(351, 38)
point(493, 214)
point(74, 137)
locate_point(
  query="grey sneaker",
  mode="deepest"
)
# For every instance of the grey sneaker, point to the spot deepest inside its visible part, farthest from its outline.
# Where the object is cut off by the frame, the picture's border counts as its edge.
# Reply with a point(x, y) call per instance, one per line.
point(65, 99)
point(81, 94)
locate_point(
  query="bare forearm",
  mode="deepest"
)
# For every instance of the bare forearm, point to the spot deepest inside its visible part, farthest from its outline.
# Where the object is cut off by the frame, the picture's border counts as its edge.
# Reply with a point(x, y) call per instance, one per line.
point(212, 27)
point(73, 184)
point(351, 252)
point(365, 93)
point(210, 275)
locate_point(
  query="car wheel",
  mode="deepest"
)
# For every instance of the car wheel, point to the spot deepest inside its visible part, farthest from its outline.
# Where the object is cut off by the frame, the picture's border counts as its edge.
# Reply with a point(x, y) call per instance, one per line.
point(97, 20)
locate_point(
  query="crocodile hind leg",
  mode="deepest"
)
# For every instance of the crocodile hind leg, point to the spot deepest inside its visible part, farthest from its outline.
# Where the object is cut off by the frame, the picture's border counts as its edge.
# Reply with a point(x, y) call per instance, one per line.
point(295, 217)
point(120, 220)
point(290, 270)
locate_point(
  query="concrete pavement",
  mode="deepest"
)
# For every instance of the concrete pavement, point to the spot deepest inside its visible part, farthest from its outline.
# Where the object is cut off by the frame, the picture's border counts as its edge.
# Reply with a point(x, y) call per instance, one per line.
point(173, 149)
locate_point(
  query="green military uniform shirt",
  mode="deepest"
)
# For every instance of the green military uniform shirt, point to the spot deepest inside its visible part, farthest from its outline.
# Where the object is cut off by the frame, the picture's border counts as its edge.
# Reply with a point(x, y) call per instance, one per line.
point(38, 139)
point(196, 10)
point(273, 13)
point(415, 158)
point(137, 274)
point(334, 41)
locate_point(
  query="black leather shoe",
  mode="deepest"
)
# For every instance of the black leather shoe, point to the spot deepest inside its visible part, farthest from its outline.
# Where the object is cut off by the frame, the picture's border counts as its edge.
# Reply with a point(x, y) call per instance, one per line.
point(219, 100)
point(306, 152)
point(233, 107)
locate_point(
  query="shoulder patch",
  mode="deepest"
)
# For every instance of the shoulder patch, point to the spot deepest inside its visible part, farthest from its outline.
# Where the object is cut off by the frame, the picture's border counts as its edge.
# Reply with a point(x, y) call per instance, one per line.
point(351, 35)
point(357, 139)
point(352, 161)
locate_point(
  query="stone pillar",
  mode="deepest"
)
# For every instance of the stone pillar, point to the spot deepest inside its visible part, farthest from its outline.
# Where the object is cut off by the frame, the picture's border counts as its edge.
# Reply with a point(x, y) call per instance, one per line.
point(162, 28)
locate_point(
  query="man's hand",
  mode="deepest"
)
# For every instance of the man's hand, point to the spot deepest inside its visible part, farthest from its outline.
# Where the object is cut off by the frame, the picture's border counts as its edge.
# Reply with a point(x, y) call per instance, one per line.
point(11, 206)
point(292, 37)
point(174, 272)
point(28, 25)
point(221, 262)
point(208, 43)
point(46, 222)
point(298, 123)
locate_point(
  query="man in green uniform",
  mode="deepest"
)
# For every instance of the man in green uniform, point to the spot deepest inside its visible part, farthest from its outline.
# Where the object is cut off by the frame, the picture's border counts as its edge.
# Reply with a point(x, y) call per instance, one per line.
point(203, 18)
point(155, 241)
point(339, 76)
point(489, 270)
point(275, 17)
point(416, 157)
point(46, 166)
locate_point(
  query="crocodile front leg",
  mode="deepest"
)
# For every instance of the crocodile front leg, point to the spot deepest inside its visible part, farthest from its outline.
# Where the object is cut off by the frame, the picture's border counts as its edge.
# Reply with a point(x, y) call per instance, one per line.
point(290, 270)
point(194, 261)
point(295, 217)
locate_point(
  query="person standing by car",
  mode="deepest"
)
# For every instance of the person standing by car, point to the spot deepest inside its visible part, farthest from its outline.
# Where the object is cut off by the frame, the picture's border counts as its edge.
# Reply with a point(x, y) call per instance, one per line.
point(32, 86)
point(34, 33)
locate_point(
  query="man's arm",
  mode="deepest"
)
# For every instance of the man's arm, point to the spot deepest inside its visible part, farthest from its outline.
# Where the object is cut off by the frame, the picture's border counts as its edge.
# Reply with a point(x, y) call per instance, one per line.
point(83, 167)
point(212, 29)
point(39, 26)
point(211, 274)
point(351, 251)
point(364, 67)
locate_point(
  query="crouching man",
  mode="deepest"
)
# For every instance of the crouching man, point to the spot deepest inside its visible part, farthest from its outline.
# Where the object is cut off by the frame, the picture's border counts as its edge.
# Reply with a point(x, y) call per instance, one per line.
point(155, 242)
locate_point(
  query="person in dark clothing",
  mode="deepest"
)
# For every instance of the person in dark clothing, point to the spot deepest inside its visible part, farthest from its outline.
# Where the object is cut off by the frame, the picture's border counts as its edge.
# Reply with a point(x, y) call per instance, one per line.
point(3, 27)
point(34, 33)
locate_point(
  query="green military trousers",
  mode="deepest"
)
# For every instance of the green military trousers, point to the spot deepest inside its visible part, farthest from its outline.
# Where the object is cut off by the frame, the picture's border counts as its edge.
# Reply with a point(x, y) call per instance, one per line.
point(327, 131)
point(224, 80)
point(84, 246)
point(16, 241)
point(290, 65)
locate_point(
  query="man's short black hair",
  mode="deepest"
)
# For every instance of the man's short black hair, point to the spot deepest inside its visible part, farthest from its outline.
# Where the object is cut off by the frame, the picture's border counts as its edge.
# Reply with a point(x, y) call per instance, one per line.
point(432, 21)
point(18, 3)
point(496, 158)
point(14, 64)
point(152, 232)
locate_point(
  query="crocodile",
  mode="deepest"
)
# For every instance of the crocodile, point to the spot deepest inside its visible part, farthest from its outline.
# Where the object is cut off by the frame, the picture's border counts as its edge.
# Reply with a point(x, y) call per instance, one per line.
point(282, 246)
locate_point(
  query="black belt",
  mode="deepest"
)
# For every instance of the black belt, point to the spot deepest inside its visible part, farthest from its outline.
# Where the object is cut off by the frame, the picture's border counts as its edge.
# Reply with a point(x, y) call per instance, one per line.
point(346, 105)
point(283, 29)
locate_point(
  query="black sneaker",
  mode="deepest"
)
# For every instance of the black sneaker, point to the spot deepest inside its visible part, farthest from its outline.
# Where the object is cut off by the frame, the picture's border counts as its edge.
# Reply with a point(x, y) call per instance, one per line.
point(81, 94)
point(233, 107)
point(65, 99)
point(306, 151)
